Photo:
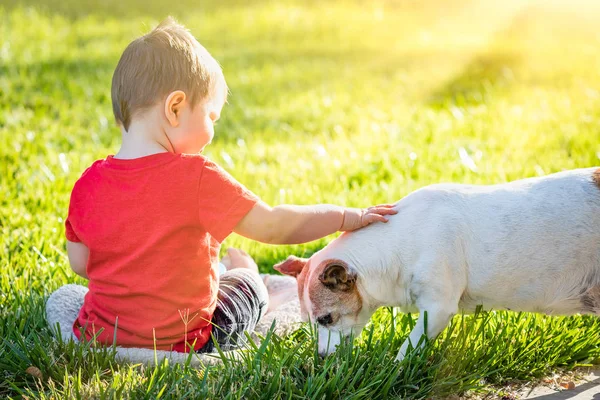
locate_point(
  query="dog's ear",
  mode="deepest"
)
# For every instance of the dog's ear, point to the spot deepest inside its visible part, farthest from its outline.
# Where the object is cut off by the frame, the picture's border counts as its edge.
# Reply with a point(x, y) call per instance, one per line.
point(337, 276)
point(292, 266)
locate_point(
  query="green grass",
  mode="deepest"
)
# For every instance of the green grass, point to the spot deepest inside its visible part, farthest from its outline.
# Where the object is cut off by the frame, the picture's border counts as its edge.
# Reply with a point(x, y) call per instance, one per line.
point(347, 102)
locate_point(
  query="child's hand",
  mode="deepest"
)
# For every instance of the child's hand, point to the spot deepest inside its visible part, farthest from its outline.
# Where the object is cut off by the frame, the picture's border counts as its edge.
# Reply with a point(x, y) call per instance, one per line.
point(356, 218)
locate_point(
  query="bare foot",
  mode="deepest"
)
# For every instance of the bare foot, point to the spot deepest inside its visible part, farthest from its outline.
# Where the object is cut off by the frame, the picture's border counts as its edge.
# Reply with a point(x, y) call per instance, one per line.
point(237, 258)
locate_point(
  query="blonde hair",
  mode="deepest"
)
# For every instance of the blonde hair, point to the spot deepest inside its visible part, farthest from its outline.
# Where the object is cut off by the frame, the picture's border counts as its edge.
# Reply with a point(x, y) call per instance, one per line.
point(167, 59)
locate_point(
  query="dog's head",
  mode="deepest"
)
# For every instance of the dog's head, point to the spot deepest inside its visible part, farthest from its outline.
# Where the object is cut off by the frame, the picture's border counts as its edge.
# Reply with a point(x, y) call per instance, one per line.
point(329, 296)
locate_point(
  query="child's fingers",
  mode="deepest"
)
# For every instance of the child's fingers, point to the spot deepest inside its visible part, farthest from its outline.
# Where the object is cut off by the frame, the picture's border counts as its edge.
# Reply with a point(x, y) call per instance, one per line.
point(370, 218)
point(383, 210)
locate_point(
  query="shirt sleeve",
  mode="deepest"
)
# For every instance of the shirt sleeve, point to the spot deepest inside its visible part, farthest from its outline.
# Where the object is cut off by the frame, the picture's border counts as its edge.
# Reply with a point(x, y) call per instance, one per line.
point(223, 201)
point(70, 233)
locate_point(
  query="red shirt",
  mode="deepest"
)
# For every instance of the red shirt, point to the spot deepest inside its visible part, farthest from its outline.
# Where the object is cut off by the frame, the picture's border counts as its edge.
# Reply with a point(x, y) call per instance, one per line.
point(153, 226)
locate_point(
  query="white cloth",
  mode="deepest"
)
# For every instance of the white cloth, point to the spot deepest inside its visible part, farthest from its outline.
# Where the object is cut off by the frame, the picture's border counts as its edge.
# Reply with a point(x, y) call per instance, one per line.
point(62, 308)
point(222, 269)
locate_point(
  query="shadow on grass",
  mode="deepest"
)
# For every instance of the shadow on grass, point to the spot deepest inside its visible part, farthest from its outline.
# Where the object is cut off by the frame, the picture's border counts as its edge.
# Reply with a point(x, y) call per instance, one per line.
point(293, 74)
point(39, 86)
point(485, 74)
point(488, 71)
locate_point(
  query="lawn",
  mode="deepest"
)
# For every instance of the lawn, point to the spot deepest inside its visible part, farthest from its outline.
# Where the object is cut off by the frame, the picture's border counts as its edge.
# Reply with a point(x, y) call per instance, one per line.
point(350, 102)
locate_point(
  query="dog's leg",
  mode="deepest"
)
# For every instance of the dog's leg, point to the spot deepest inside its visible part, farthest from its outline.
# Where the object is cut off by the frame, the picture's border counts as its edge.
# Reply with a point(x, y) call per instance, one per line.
point(435, 313)
point(437, 283)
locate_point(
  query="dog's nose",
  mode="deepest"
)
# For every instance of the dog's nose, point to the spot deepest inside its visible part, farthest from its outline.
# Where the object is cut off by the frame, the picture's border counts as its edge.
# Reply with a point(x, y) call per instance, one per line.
point(325, 320)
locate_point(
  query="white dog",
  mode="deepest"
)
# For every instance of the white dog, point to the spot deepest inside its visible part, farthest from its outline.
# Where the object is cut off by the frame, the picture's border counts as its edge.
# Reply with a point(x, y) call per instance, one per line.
point(530, 245)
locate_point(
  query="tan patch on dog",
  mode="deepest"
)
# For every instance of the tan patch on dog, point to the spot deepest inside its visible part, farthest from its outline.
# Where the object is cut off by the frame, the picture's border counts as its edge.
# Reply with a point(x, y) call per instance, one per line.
point(596, 177)
point(590, 301)
point(327, 301)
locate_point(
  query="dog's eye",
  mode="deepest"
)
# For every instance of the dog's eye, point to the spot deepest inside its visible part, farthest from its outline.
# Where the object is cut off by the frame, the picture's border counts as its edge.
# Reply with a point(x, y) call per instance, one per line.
point(325, 320)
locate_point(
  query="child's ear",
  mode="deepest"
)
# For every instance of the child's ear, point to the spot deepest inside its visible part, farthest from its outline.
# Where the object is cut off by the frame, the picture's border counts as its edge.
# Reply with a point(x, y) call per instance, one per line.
point(173, 105)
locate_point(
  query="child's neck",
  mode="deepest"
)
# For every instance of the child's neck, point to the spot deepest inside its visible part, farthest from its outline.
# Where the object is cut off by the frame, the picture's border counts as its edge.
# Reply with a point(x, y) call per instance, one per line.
point(139, 141)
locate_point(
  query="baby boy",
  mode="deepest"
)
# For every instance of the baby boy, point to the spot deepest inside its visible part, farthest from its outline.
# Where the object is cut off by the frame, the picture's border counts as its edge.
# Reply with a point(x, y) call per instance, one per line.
point(145, 225)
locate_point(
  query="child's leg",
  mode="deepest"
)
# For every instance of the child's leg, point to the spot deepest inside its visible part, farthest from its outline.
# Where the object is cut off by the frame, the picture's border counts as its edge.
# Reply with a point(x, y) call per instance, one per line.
point(281, 288)
point(63, 307)
point(241, 302)
point(282, 294)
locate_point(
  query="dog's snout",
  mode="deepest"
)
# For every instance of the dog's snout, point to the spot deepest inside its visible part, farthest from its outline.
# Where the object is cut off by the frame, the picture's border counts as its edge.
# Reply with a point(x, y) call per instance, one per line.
point(325, 320)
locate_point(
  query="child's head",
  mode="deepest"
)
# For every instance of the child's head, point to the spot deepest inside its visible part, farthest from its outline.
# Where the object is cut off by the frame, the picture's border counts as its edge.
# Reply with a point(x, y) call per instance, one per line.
point(168, 74)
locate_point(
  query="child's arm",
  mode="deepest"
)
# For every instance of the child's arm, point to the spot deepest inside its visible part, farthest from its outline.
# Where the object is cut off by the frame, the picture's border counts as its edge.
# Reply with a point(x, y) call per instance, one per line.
point(291, 224)
point(78, 257)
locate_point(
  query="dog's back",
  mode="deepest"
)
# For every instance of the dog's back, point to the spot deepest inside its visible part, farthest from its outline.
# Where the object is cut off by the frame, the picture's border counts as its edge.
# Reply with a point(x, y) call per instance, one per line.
point(530, 245)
